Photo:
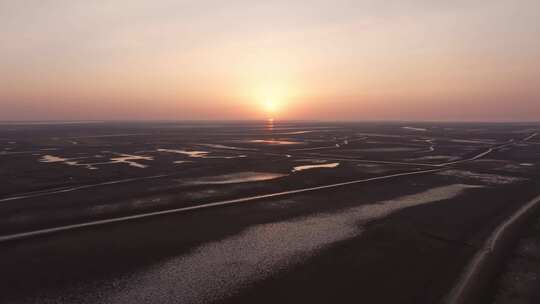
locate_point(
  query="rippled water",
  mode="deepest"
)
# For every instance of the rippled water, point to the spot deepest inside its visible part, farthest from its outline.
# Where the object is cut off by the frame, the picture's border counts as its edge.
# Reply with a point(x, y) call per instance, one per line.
point(485, 178)
point(240, 177)
point(185, 152)
point(52, 159)
point(307, 167)
point(200, 154)
point(218, 269)
point(66, 161)
point(128, 159)
point(218, 146)
point(131, 160)
point(275, 142)
point(415, 129)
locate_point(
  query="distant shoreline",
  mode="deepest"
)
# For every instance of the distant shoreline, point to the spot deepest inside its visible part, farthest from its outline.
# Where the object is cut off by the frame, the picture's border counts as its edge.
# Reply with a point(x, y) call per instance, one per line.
point(422, 122)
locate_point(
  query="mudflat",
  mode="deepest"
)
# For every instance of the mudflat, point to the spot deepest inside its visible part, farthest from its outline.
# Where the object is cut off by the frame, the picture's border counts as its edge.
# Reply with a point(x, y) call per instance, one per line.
point(244, 212)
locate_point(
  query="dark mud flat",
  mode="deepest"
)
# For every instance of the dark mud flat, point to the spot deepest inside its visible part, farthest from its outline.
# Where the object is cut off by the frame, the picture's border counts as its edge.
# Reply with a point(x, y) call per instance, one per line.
point(410, 257)
point(516, 279)
point(280, 223)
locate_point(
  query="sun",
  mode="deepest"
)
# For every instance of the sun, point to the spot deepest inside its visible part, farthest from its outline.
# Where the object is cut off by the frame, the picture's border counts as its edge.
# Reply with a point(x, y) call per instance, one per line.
point(270, 106)
point(271, 100)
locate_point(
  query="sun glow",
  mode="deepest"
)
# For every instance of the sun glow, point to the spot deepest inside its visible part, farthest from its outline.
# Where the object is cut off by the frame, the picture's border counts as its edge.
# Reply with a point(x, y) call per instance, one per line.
point(271, 101)
point(271, 106)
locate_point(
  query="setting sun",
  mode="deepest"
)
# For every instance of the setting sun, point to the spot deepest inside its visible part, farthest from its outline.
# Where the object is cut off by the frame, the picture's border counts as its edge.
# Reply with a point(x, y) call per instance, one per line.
point(271, 99)
point(270, 106)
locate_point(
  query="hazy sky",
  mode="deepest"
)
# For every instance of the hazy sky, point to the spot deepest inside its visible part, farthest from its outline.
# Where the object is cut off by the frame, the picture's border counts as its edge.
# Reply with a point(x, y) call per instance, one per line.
point(315, 59)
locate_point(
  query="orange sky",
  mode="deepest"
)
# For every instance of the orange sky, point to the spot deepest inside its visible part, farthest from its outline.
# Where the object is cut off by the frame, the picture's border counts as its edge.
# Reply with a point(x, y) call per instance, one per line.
point(332, 60)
